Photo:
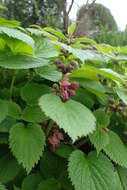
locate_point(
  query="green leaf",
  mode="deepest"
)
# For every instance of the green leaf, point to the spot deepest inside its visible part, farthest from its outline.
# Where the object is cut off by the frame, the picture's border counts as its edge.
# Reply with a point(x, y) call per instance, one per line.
point(33, 114)
point(16, 34)
point(122, 93)
point(103, 118)
point(6, 124)
point(57, 33)
point(71, 29)
point(49, 72)
point(9, 23)
point(27, 144)
point(64, 151)
point(45, 49)
point(31, 181)
point(33, 91)
point(14, 110)
point(9, 168)
point(16, 188)
point(116, 149)
point(48, 185)
point(21, 61)
point(3, 138)
point(73, 117)
point(51, 165)
point(94, 87)
point(3, 110)
point(2, 187)
point(91, 172)
point(2, 6)
point(99, 139)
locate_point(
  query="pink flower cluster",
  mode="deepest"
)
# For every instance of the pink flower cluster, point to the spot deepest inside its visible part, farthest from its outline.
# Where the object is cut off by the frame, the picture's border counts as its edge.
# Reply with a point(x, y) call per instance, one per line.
point(67, 89)
point(55, 138)
point(66, 68)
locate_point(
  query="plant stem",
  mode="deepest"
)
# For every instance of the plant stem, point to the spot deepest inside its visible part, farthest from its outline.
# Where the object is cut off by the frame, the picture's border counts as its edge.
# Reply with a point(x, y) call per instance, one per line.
point(49, 127)
point(12, 83)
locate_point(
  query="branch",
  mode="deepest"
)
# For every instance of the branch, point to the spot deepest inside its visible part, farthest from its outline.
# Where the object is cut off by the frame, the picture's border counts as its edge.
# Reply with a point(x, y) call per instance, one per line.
point(70, 7)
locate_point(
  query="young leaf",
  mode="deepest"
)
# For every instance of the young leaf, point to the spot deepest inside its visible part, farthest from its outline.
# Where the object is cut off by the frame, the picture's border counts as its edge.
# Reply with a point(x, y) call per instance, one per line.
point(73, 117)
point(31, 181)
point(3, 110)
point(91, 172)
point(9, 168)
point(56, 33)
point(9, 23)
point(27, 144)
point(103, 119)
point(71, 29)
point(116, 149)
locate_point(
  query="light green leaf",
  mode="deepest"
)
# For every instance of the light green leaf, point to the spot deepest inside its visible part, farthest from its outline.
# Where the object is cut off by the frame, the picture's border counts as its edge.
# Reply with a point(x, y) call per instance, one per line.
point(16, 34)
point(2, 6)
point(31, 181)
point(21, 61)
point(116, 149)
point(14, 110)
point(9, 168)
point(9, 23)
point(3, 110)
point(50, 73)
point(27, 144)
point(57, 33)
point(122, 93)
point(48, 185)
point(33, 91)
point(71, 29)
point(91, 172)
point(73, 117)
point(99, 139)
point(45, 49)
point(33, 114)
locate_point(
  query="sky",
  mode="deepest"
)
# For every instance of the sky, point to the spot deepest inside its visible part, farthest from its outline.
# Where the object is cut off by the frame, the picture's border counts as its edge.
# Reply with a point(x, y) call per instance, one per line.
point(118, 9)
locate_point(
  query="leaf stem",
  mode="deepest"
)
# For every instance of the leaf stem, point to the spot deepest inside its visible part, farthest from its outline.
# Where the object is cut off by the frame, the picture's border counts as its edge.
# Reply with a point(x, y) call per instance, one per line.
point(12, 83)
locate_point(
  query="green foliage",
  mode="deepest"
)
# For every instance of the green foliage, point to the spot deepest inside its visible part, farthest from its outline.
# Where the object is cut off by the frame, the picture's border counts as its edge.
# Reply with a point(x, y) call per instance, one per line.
point(58, 96)
point(27, 147)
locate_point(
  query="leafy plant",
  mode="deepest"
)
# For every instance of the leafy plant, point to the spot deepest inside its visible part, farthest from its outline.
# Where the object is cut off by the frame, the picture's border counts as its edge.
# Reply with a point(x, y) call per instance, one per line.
point(63, 111)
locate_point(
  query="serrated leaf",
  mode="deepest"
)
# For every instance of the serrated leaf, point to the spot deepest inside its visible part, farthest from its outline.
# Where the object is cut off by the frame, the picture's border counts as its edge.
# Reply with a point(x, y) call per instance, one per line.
point(49, 72)
point(71, 29)
point(9, 168)
point(45, 49)
point(48, 185)
point(99, 139)
point(91, 172)
point(16, 34)
point(33, 91)
point(3, 110)
point(14, 110)
point(31, 181)
point(51, 165)
point(21, 61)
point(103, 118)
point(116, 149)
point(33, 114)
point(6, 124)
point(27, 144)
point(73, 117)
